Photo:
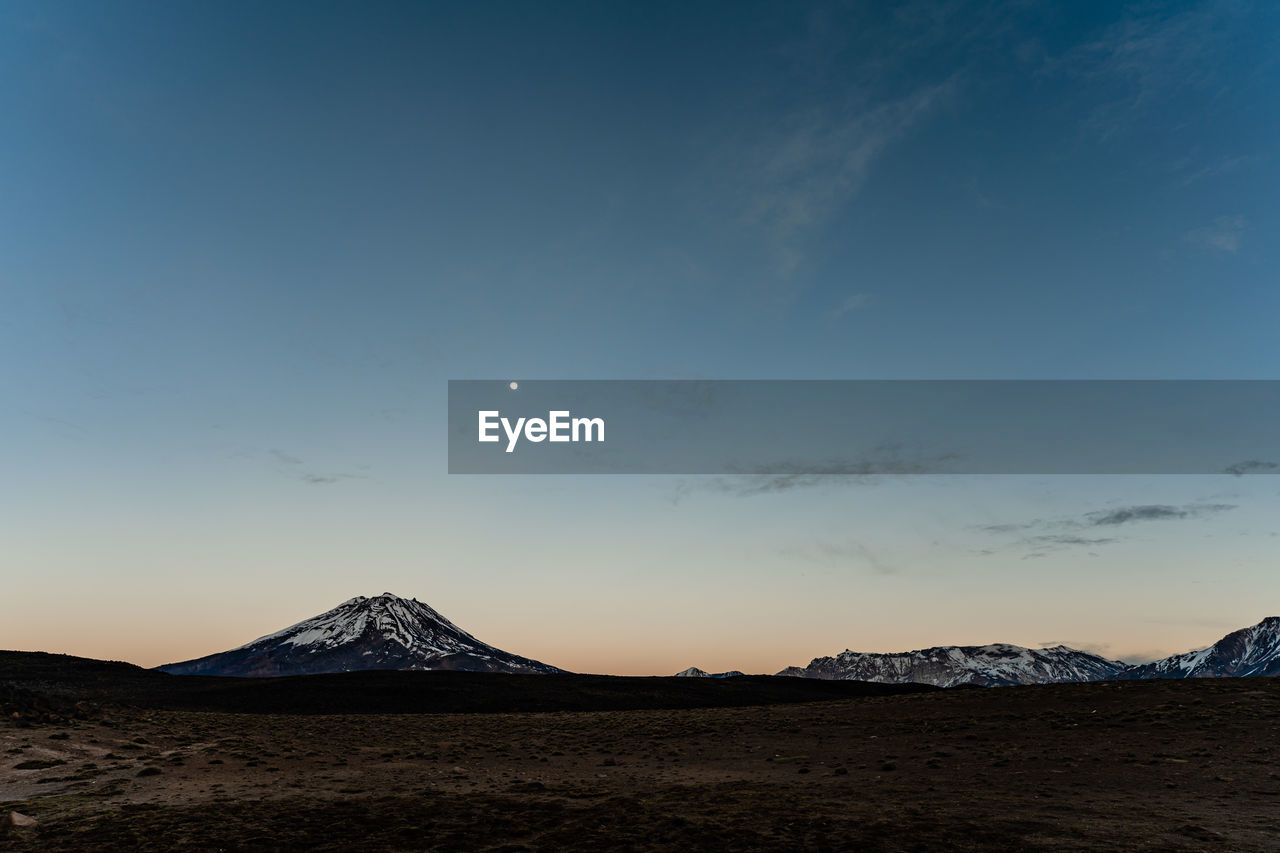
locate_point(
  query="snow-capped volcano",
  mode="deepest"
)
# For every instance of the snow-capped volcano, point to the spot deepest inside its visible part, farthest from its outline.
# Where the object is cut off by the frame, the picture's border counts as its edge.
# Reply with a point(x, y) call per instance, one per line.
point(998, 664)
point(1250, 651)
point(383, 632)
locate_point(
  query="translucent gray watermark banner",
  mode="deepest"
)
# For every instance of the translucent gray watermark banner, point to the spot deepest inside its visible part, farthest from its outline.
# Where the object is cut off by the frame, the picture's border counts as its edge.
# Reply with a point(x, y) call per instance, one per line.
point(864, 428)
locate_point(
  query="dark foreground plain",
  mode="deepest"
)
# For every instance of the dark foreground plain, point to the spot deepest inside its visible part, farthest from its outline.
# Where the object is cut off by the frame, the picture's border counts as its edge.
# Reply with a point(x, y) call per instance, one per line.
point(1157, 765)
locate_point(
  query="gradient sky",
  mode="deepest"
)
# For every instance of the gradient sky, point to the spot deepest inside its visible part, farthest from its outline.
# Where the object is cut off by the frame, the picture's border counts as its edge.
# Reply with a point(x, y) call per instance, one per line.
point(244, 246)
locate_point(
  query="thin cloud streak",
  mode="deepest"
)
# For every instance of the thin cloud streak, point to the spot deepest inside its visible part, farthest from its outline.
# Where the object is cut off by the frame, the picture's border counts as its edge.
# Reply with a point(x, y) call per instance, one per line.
point(867, 472)
point(1224, 235)
point(853, 302)
point(809, 171)
point(1250, 466)
point(1074, 531)
point(1151, 60)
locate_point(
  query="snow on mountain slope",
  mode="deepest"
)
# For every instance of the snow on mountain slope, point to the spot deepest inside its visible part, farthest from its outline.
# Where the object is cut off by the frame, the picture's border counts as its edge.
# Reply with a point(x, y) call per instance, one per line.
point(1250, 651)
point(694, 672)
point(946, 666)
point(383, 632)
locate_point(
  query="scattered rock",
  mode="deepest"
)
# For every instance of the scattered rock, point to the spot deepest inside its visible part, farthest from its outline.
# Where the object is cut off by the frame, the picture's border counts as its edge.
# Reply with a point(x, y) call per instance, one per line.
point(20, 819)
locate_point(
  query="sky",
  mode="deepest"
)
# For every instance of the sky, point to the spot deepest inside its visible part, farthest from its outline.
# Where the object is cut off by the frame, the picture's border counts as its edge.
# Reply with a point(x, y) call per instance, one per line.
point(243, 248)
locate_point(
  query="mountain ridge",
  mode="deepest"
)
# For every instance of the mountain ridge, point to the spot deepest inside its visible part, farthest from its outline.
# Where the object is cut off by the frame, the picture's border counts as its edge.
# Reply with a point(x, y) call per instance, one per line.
point(694, 672)
point(363, 633)
point(991, 665)
point(387, 632)
point(1250, 651)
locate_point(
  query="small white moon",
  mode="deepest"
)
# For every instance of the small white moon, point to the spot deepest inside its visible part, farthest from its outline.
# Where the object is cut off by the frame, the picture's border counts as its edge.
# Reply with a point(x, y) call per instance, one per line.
point(514, 386)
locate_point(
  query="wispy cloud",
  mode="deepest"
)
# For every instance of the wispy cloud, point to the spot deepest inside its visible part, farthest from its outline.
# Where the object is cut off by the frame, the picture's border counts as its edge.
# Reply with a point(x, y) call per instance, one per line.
point(1222, 166)
point(1152, 512)
point(852, 302)
point(855, 82)
point(1250, 466)
point(1113, 517)
point(285, 458)
point(1039, 536)
point(1147, 59)
point(1072, 540)
point(1224, 234)
point(889, 461)
point(843, 554)
point(817, 161)
point(293, 467)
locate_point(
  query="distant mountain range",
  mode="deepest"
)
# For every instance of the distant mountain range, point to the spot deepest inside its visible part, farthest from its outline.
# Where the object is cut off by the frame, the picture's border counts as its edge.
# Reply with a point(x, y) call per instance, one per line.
point(390, 632)
point(1249, 651)
point(383, 632)
point(995, 665)
point(694, 672)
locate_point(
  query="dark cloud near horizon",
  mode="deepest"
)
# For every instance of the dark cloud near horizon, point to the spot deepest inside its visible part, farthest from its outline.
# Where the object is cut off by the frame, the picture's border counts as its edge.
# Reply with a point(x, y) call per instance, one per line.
point(1015, 527)
point(1073, 530)
point(1152, 512)
point(1067, 539)
point(1250, 466)
point(1112, 517)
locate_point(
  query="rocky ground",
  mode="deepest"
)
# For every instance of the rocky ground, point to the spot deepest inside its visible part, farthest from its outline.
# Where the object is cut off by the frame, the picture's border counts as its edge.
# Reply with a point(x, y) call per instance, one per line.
point(1166, 765)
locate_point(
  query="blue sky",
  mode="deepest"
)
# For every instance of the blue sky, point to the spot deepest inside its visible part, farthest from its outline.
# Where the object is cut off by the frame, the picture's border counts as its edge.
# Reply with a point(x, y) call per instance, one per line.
point(244, 246)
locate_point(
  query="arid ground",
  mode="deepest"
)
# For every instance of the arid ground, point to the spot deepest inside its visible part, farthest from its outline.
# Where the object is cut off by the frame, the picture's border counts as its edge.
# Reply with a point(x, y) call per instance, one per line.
point(1161, 765)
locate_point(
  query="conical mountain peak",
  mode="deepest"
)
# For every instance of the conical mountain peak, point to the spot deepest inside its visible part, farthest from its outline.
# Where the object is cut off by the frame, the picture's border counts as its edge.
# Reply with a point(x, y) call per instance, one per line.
point(382, 632)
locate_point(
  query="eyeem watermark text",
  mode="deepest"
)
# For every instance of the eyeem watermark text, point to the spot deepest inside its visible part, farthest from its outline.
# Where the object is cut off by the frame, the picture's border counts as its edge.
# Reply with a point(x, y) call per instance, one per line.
point(558, 426)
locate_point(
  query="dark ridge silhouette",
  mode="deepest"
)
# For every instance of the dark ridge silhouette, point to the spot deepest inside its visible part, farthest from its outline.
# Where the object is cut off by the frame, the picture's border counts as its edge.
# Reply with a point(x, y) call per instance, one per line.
point(67, 678)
